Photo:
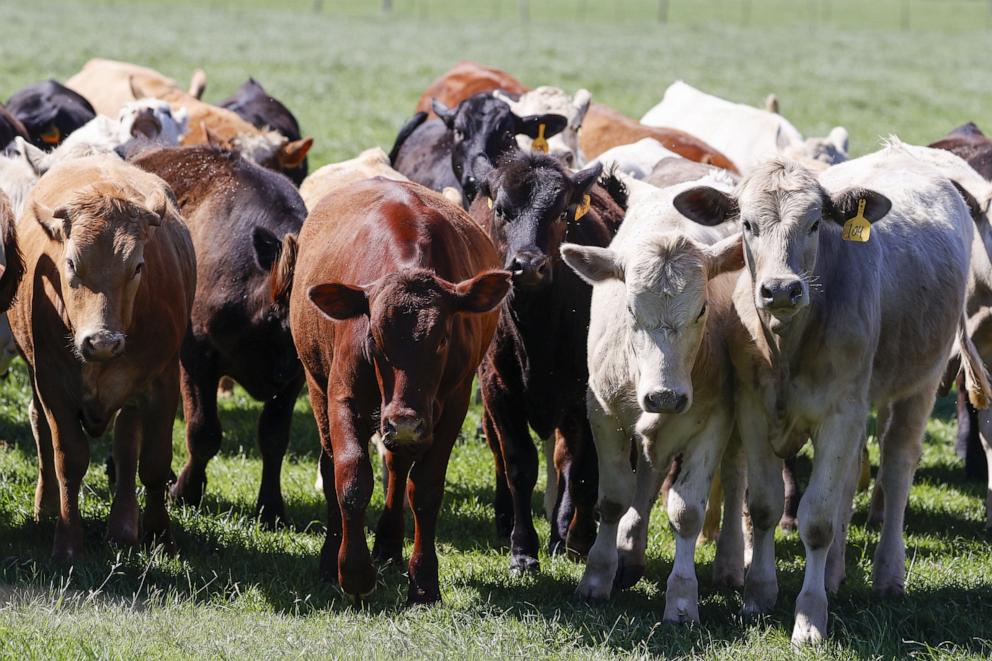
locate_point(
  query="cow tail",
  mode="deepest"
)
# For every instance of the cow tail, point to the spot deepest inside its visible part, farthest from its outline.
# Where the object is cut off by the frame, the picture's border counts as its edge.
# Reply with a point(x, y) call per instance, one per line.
point(976, 377)
point(14, 269)
point(411, 125)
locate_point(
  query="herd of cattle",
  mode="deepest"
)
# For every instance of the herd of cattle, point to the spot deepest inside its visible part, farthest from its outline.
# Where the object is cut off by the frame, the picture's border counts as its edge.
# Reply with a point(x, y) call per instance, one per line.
point(676, 305)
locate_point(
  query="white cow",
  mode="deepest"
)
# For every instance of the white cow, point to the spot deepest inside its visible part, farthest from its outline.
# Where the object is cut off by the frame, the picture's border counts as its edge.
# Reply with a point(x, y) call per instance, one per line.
point(830, 327)
point(637, 159)
point(660, 376)
point(747, 136)
point(543, 100)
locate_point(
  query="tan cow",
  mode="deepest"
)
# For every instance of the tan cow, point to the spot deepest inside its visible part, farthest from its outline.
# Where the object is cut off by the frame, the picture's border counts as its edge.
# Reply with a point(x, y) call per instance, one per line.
point(99, 320)
point(109, 85)
point(370, 163)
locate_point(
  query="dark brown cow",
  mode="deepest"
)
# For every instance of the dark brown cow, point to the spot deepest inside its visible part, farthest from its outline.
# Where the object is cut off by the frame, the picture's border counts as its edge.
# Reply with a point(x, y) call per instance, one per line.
point(100, 320)
point(535, 373)
point(392, 310)
point(972, 145)
point(605, 128)
point(240, 320)
point(464, 80)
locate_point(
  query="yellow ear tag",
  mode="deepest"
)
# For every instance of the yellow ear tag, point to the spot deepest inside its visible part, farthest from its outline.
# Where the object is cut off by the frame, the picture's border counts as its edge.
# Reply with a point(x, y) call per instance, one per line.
point(489, 201)
point(583, 208)
point(51, 136)
point(540, 144)
point(858, 228)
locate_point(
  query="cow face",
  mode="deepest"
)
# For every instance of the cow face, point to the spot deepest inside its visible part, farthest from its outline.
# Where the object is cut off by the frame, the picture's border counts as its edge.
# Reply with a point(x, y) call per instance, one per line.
point(665, 278)
point(533, 200)
point(103, 231)
point(410, 321)
point(780, 206)
point(483, 129)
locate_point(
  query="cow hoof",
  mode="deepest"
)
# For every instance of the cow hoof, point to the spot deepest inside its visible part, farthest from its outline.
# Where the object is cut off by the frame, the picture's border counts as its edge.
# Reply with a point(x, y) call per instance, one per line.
point(523, 564)
point(581, 536)
point(421, 597)
point(557, 547)
point(391, 558)
point(759, 597)
point(593, 588)
point(811, 620)
point(788, 523)
point(681, 613)
point(728, 577)
point(888, 590)
point(271, 517)
point(121, 534)
point(360, 599)
point(628, 574)
point(188, 490)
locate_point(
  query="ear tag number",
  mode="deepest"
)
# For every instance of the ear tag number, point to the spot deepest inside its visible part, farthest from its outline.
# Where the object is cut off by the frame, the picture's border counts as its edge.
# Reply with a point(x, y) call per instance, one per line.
point(583, 208)
point(540, 144)
point(858, 228)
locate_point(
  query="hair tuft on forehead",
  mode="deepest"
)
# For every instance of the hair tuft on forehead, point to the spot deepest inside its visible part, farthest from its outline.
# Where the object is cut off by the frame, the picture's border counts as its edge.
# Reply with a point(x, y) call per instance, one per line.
point(664, 264)
point(781, 184)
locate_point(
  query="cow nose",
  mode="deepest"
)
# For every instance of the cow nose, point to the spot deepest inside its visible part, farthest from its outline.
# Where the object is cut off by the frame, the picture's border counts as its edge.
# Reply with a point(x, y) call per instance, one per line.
point(665, 400)
point(781, 292)
point(401, 431)
point(529, 267)
point(102, 345)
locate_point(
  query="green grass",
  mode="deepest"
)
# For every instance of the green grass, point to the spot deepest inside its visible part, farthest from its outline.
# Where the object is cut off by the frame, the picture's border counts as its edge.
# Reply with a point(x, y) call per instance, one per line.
point(352, 76)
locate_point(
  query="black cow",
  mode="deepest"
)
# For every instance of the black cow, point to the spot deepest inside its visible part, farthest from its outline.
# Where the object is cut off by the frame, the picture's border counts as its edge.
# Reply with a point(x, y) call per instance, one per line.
point(50, 112)
point(534, 375)
point(447, 152)
point(10, 128)
point(254, 105)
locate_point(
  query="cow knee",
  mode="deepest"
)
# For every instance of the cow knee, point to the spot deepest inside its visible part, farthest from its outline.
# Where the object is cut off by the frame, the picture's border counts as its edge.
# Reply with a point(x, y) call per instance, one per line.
point(687, 518)
point(764, 515)
point(610, 511)
point(817, 532)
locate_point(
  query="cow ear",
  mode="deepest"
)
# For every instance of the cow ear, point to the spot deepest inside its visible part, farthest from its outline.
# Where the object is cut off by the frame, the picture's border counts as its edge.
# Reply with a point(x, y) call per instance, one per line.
point(339, 301)
point(157, 204)
point(446, 114)
point(581, 102)
point(843, 206)
point(706, 205)
point(725, 255)
point(213, 139)
point(267, 248)
point(34, 157)
point(531, 125)
point(583, 180)
point(56, 223)
point(593, 264)
point(483, 292)
point(291, 154)
point(136, 91)
point(974, 207)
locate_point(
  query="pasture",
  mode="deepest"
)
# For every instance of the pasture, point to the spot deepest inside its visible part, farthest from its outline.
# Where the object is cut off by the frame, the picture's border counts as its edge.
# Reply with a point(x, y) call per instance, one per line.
point(352, 76)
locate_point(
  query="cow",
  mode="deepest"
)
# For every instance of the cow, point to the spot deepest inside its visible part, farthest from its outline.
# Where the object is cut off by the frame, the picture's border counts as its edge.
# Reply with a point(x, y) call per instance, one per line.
point(99, 320)
point(748, 136)
point(671, 171)
point(239, 325)
point(12, 269)
point(660, 377)
point(370, 163)
point(968, 142)
point(10, 128)
point(112, 84)
point(827, 328)
point(465, 80)
point(50, 112)
point(534, 374)
point(638, 159)
point(392, 309)
point(447, 152)
point(253, 104)
point(544, 100)
point(605, 128)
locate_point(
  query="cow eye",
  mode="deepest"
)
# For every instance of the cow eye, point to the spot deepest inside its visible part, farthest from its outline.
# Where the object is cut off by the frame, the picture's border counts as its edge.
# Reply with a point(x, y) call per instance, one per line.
point(815, 226)
point(702, 311)
point(138, 269)
point(747, 226)
point(70, 265)
point(459, 135)
point(564, 214)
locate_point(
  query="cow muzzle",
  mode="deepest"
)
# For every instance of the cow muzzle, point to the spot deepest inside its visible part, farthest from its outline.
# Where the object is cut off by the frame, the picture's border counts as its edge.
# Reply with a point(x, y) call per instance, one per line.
point(530, 269)
point(665, 400)
point(405, 433)
point(782, 295)
point(101, 345)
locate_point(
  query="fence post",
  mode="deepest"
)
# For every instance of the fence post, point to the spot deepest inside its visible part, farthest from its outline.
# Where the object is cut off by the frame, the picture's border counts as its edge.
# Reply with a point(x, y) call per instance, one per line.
point(663, 11)
point(387, 6)
point(905, 14)
point(525, 11)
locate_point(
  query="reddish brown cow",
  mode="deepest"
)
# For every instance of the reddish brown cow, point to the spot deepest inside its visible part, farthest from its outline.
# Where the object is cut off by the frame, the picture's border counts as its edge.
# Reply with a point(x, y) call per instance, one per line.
point(392, 309)
point(99, 321)
point(464, 80)
point(605, 128)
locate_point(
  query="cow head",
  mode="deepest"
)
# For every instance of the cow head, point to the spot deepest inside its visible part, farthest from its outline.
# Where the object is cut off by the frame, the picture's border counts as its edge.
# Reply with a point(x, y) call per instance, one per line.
point(533, 199)
point(781, 207)
point(410, 317)
point(483, 129)
point(565, 145)
point(103, 231)
point(665, 278)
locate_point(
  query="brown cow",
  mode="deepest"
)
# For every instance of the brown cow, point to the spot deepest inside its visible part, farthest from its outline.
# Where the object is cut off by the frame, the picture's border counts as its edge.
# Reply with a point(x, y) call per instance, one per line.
point(392, 310)
point(13, 264)
point(605, 128)
point(464, 80)
point(111, 268)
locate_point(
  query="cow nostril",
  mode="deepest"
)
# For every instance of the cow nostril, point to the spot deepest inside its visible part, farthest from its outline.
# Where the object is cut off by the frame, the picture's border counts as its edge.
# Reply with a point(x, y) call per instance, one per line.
point(766, 293)
point(795, 291)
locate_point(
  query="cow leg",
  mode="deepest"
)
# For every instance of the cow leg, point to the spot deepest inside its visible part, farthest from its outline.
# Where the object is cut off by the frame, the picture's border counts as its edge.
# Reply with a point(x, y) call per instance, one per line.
point(686, 510)
point(985, 434)
point(792, 494)
point(551, 477)
point(273, 439)
point(836, 570)
point(325, 471)
point(199, 378)
point(968, 446)
point(158, 414)
point(728, 566)
point(72, 458)
point(765, 501)
point(390, 530)
point(711, 521)
point(503, 502)
point(632, 532)
point(876, 509)
point(581, 476)
point(835, 464)
point(616, 494)
point(901, 450)
point(122, 524)
point(46, 495)
point(426, 492)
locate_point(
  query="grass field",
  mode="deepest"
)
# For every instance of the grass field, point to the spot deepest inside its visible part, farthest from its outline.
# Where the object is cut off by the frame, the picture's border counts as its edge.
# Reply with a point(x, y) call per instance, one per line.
point(352, 76)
